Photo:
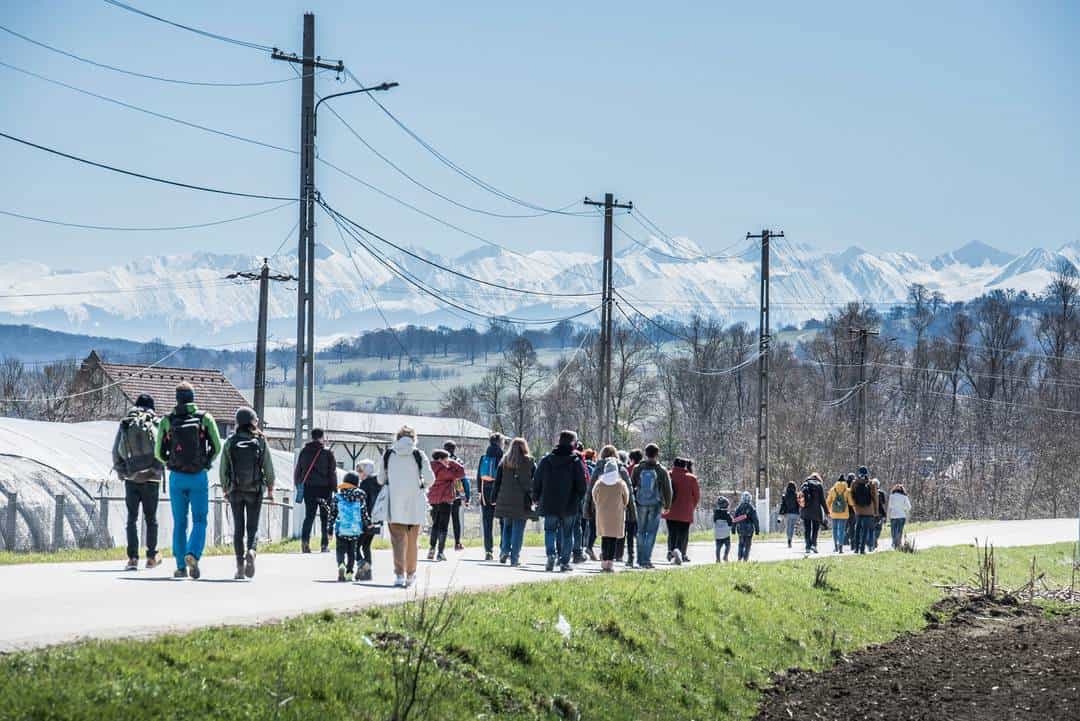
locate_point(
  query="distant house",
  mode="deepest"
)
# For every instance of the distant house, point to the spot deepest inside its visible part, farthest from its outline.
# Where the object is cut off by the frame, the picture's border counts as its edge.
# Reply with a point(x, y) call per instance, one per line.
point(111, 389)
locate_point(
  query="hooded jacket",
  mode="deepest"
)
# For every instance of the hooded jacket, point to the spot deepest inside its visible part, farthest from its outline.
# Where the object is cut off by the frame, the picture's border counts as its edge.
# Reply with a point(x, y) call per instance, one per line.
point(814, 508)
point(487, 486)
point(405, 478)
point(747, 525)
point(513, 491)
point(322, 463)
point(559, 483)
point(609, 498)
point(722, 523)
point(447, 475)
point(371, 488)
point(870, 509)
point(686, 494)
point(348, 512)
point(790, 501)
point(839, 490)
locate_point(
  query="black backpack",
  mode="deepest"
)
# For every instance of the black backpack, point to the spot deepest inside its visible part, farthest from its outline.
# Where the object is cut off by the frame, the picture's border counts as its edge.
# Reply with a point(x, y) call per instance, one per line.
point(246, 464)
point(136, 448)
point(862, 494)
point(416, 454)
point(187, 443)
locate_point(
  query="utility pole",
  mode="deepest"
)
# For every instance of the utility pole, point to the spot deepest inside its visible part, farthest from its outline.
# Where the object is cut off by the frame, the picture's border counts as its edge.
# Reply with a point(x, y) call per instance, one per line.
point(607, 305)
point(304, 406)
point(862, 336)
point(764, 338)
point(264, 278)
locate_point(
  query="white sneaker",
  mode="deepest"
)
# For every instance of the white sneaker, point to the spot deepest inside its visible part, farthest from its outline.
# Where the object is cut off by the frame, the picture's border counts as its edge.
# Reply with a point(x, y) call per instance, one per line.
point(410, 580)
point(399, 582)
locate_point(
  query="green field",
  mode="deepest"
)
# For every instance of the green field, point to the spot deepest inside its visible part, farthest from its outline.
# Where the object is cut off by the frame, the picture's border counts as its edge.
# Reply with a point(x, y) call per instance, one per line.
point(690, 644)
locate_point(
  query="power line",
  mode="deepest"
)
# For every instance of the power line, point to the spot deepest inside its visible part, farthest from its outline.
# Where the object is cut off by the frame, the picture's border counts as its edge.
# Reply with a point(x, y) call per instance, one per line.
point(113, 291)
point(661, 253)
point(966, 396)
point(143, 176)
point(86, 226)
point(197, 31)
point(145, 76)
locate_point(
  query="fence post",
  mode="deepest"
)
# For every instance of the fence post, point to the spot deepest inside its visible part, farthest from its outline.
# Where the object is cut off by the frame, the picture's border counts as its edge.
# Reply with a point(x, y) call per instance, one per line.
point(103, 520)
point(11, 517)
point(218, 522)
point(58, 522)
point(286, 527)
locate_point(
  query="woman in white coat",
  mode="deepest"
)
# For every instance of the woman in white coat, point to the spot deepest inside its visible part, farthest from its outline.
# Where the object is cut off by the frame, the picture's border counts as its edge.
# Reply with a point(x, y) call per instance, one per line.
point(899, 510)
point(406, 474)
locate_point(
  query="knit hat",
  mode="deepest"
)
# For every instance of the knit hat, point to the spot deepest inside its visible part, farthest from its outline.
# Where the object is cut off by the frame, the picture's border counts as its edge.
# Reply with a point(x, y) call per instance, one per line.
point(864, 472)
point(246, 417)
point(722, 502)
point(184, 394)
point(745, 496)
point(145, 401)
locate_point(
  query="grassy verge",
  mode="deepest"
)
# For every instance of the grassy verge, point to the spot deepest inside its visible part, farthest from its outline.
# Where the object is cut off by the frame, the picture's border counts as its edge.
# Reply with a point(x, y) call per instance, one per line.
point(688, 644)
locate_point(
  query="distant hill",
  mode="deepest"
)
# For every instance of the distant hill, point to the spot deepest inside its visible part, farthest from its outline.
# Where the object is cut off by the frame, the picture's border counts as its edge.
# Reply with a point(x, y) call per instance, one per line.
point(31, 344)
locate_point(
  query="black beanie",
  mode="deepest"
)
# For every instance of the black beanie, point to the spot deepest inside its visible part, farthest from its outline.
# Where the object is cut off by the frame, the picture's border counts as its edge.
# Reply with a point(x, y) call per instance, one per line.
point(145, 401)
point(184, 395)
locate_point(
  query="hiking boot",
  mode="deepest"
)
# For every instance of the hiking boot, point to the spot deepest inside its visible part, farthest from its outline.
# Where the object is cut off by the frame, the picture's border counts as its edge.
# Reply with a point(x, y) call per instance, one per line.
point(349, 577)
point(504, 557)
point(459, 547)
point(239, 575)
point(305, 548)
point(670, 556)
point(440, 557)
point(789, 543)
point(630, 564)
point(550, 566)
point(565, 568)
point(685, 558)
point(180, 573)
point(813, 549)
point(192, 564)
point(431, 554)
point(153, 560)
point(132, 565)
point(249, 563)
point(364, 574)
point(489, 556)
point(579, 557)
point(675, 557)
point(341, 573)
point(325, 548)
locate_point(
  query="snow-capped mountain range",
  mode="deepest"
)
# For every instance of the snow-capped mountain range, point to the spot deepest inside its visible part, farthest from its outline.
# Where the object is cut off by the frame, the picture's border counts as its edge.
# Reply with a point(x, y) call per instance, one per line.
point(186, 298)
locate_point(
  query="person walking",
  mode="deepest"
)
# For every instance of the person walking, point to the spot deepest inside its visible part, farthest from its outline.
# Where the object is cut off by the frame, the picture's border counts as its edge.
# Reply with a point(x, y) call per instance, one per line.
point(558, 488)
point(722, 528)
point(746, 525)
point(369, 484)
point(513, 499)
point(609, 499)
point(634, 457)
point(406, 476)
point(789, 510)
point(839, 511)
point(686, 494)
point(651, 485)
point(865, 503)
point(462, 494)
point(187, 444)
point(316, 475)
point(814, 511)
point(349, 519)
point(485, 476)
point(246, 470)
point(899, 510)
point(882, 511)
point(135, 463)
point(441, 496)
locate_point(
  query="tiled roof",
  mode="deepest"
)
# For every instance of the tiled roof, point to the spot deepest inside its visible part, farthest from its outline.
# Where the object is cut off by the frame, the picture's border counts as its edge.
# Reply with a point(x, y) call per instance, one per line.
point(213, 391)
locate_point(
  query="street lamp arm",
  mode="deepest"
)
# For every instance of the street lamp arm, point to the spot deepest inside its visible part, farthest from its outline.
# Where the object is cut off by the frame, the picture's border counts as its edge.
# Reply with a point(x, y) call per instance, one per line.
point(373, 88)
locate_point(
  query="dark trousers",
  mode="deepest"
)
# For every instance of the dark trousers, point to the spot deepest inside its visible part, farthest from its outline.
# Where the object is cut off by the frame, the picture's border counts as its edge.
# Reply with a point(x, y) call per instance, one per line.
point(678, 536)
point(455, 518)
point(723, 545)
point(609, 548)
point(316, 500)
point(365, 547)
point(145, 495)
point(863, 528)
point(589, 532)
point(576, 535)
point(631, 534)
point(487, 522)
point(744, 547)
point(245, 512)
point(440, 517)
point(347, 547)
point(811, 527)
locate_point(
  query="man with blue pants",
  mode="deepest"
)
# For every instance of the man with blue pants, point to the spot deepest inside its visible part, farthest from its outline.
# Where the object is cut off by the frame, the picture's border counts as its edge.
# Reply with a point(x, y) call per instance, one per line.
point(187, 443)
point(559, 488)
point(652, 491)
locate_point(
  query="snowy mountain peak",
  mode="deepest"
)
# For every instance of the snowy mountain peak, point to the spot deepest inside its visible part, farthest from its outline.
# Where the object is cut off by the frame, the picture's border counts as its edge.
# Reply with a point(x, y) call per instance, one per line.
point(974, 254)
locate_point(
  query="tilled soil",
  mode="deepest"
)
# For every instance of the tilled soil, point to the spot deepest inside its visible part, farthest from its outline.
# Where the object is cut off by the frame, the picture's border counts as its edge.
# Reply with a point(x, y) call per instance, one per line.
point(988, 662)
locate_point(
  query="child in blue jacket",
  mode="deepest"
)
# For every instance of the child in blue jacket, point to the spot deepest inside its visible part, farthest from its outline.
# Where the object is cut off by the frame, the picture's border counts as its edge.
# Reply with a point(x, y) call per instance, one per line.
point(349, 519)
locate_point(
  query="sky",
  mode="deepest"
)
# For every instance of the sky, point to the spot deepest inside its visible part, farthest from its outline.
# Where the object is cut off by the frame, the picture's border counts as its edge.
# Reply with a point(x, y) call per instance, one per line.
point(895, 127)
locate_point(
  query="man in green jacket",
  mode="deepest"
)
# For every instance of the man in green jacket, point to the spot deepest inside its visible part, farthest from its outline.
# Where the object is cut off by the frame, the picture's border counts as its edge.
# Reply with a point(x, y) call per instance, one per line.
point(187, 443)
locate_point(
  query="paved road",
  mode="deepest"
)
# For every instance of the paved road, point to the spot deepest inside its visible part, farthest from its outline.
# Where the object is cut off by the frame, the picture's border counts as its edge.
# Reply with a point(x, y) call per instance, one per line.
point(42, 604)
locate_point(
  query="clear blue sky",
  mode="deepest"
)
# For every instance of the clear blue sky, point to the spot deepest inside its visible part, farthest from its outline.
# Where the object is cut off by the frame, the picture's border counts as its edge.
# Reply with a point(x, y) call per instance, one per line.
point(914, 127)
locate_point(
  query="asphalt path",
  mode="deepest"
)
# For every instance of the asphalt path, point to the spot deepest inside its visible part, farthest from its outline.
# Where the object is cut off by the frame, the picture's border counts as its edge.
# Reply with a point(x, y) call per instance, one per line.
point(50, 603)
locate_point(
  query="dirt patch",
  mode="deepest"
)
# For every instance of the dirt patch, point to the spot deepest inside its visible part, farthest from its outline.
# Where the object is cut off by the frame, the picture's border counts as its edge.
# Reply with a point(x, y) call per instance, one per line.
point(988, 661)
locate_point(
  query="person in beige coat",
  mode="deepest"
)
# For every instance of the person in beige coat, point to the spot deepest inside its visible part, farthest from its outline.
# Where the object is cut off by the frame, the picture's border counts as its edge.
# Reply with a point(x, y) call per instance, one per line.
point(610, 496)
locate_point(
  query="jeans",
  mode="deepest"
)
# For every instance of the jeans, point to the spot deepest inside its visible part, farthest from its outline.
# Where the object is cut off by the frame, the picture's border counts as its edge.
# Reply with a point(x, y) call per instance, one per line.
point(513, 536)
point(146, 495)
point(316, 499)
point(589, 532)
point(440, 513)
point(744, 547)
point(455, 518)
point(188, 491)
point(347, 547)
point(791, 521)
point(559, 537)
point(724, 545)
point(875, 532)
point(811, 526)
point(246, 508)
point(631, 536)
point(896, 525)
point(678, 536)
point(648, 524)
point(577, 535)
point(861, 542)
point(487, 521)
point(839, 533)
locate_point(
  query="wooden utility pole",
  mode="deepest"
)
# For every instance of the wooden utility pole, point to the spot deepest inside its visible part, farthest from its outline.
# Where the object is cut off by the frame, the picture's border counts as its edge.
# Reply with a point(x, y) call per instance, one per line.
point(764, 338)
point(304, 407)
point(862, 336)
point(607, 306)
point(264, 278)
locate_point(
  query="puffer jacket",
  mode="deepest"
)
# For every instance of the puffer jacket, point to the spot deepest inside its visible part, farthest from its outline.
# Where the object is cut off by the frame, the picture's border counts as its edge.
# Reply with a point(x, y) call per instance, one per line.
point(839, 490)
point(814, 508)
point(348, 512)
point(559, 483)
point(405, 475)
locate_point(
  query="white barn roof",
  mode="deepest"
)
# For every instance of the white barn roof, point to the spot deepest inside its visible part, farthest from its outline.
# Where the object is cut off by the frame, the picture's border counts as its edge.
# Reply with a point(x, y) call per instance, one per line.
point(380, 424)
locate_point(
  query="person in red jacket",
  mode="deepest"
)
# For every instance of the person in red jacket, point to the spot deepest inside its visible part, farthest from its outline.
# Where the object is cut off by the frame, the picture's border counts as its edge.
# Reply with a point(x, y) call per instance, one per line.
point(441, 496)
point(687, 494)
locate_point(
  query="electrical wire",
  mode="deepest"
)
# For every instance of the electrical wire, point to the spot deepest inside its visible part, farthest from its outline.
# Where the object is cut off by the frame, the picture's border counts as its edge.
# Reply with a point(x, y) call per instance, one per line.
point(197, 31)
point(145, 76)
point(115, 291)
point(569, 362)
point(661, 253)
point(143, 176)
point(969, 397)
point(141, 229)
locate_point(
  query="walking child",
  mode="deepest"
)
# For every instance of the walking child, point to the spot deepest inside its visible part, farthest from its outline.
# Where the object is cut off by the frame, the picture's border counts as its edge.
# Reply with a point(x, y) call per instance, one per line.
point(746, 525)
point(349, 518)
point(722, 526)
